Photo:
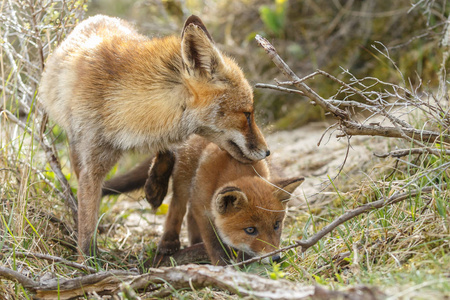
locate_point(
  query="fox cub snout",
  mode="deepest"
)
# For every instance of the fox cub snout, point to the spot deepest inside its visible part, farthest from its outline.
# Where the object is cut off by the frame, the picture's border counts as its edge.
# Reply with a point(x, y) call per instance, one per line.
point(113, 90)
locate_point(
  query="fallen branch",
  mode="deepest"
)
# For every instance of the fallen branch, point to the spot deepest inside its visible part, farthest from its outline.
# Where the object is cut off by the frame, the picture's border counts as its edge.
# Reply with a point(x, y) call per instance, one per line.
point(305, 244)
point(17, 277)
point(182, 277)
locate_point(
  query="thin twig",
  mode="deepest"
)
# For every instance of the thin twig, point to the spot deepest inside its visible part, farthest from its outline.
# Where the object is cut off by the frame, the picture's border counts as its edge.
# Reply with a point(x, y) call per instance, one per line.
point(406, 152)
point(278, 88)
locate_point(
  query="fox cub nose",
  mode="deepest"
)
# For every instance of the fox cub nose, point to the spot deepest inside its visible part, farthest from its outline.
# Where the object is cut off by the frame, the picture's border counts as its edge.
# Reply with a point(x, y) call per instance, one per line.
point(267, 153)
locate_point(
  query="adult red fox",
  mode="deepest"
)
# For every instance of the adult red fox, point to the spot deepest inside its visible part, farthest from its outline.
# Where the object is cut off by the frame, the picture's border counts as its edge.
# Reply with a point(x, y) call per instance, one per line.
point(230, 203)
point(113, 89)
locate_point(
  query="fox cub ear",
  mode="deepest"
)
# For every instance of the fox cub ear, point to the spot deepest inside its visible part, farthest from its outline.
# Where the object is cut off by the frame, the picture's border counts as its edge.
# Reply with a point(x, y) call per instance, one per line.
point(286, 187)
point(197, 48)
point(229, 199)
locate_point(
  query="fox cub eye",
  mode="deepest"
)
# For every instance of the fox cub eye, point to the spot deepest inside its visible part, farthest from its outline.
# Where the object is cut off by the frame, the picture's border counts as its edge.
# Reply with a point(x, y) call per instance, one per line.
point(277, 225)
point(251, 230)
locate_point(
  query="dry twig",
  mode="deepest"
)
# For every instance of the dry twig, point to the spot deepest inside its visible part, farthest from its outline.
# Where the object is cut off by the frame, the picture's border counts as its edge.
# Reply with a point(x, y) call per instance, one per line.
point(376, 106)
point(182, 277)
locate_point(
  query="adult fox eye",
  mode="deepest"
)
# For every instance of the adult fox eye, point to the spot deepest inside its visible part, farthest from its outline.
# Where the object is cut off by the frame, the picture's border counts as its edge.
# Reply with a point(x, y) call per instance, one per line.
point(277, 225)
point(248, 115)
point(250, 230)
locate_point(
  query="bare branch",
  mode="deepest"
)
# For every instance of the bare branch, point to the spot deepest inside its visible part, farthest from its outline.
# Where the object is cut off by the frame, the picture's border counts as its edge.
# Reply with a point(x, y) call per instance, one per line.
point(278, 88)
point(16, 276)
point(406, 152)
point(377, 106)
point(352, 128)
point(187, 277)
point(297, 81)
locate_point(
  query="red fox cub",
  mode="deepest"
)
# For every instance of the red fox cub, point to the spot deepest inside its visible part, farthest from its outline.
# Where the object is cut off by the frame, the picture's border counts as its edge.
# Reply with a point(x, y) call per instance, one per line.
point(113, 90)
point(230, 203)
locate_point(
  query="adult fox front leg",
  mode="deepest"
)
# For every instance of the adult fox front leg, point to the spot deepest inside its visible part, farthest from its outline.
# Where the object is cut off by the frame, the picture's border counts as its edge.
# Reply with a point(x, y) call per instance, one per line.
point(113, 90)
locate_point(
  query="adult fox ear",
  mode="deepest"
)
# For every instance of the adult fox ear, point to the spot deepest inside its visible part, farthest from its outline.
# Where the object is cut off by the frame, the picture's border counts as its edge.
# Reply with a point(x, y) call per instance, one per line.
point(286, 187)
point(229, 199)
point(197, 48)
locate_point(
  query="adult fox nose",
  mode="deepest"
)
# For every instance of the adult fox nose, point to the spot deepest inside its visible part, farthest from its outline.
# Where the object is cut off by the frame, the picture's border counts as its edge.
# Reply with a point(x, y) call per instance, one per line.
point(276, 258)
point(267, 153)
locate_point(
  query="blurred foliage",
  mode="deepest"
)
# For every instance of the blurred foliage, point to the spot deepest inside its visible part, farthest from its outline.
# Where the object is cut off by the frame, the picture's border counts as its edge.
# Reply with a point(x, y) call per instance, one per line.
point(274, 17)
point(329, 35)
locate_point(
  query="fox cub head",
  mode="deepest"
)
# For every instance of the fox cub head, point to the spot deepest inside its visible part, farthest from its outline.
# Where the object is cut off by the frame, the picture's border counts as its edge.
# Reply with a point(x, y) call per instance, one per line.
point(221, 96)
point(252, 221)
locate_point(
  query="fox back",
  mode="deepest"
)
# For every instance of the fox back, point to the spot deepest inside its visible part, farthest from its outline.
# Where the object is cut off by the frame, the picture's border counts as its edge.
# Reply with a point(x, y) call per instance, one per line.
point(134, 92)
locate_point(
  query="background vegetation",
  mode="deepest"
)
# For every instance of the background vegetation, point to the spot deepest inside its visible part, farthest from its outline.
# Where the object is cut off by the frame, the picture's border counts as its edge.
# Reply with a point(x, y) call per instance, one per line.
point(310, 35)
point(402, 249)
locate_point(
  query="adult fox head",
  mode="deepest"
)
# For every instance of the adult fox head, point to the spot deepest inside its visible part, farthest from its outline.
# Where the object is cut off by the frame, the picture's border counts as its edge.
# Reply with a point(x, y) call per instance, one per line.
point(221, 96)
point(249, 213)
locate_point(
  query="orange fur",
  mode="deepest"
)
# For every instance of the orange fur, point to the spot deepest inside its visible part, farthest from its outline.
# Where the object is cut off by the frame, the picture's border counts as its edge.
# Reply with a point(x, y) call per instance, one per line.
point(225, 198)
point(113, 89)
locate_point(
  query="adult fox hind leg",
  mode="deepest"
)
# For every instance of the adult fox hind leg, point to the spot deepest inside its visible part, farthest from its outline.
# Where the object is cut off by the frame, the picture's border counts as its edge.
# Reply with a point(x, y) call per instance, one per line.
point(94, 166)
point(74, 159)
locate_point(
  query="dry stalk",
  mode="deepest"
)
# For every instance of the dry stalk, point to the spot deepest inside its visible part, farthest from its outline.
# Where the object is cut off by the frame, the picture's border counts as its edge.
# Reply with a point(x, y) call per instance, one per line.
point(27, 31)
point(52, 159)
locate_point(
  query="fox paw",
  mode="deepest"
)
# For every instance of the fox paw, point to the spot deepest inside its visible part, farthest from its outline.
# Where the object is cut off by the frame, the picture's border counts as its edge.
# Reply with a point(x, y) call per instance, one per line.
point(155, 193)
point(158, 178)
point(169, 244)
